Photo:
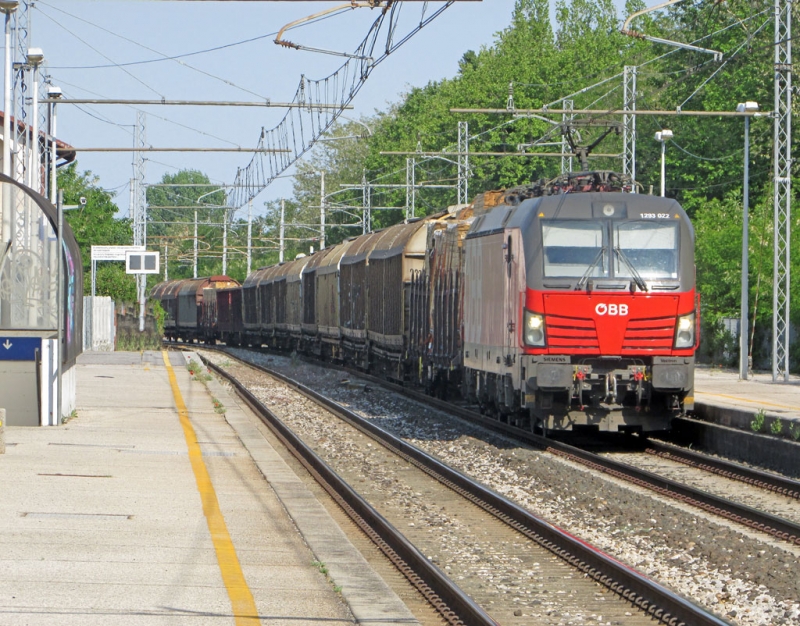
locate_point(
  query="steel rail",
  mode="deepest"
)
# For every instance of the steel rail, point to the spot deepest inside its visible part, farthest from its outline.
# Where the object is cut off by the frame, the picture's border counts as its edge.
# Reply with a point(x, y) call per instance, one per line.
point(646, 594)
point(452, 603)
point(739, 513)
point(734, 471)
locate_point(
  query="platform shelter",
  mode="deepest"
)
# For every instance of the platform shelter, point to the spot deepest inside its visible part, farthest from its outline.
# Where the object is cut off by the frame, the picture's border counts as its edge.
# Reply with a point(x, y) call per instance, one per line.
point(30, 354)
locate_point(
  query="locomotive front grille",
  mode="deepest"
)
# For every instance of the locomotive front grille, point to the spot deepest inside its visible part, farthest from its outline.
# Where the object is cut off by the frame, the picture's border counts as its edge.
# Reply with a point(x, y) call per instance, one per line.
point(649, 335)
point(571, 334)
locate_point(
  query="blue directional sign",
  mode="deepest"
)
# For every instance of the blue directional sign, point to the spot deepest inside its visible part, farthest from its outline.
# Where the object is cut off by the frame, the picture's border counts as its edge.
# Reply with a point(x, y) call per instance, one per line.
point(19, 348)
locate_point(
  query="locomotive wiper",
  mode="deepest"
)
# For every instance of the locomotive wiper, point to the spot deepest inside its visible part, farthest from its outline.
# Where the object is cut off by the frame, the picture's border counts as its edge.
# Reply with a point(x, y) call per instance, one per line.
point(636, 276)
point(590, 269)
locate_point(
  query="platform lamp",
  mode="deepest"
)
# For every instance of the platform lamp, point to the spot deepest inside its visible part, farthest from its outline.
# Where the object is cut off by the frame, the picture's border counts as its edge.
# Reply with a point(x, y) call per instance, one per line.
point(53, 93)
point(748, 107)
point(664, 135)
point(35, 59)
point(7, 7)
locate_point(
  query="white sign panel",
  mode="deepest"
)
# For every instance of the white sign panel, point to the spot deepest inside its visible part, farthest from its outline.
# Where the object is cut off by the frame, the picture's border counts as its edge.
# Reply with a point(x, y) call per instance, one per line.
point(113, 253)
point(141, 262)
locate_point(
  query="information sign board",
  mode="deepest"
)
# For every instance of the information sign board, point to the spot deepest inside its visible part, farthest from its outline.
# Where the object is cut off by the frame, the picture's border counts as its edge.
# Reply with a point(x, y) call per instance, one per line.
point(19, 348)
point(142, 262)
point(113, 253)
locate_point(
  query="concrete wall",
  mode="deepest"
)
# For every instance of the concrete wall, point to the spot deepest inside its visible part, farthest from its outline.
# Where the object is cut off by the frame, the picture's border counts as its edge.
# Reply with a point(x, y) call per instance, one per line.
point(780, 455)
point(48, 389)
point(18, 392)
point(99, 324)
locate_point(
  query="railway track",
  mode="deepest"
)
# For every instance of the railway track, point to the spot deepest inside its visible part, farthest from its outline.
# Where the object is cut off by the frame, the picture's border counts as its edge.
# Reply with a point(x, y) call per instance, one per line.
point(757, 519)
point(520, 548)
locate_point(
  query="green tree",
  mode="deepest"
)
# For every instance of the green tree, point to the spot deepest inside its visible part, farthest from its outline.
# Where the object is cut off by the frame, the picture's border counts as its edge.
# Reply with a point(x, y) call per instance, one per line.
point(96, 223)
point(170, 222)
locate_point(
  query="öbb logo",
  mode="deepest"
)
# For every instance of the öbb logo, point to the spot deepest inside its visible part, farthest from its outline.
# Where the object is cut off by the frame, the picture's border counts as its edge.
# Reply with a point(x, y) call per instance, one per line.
point(611, 309)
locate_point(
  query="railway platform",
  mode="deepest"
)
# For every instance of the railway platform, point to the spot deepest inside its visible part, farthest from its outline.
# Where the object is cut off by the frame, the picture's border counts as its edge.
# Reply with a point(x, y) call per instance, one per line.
point(719, 391)
point(150, 506)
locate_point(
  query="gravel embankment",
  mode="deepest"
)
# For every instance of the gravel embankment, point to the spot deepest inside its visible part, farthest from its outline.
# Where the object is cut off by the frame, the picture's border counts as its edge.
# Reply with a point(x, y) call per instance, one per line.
point(746, 578)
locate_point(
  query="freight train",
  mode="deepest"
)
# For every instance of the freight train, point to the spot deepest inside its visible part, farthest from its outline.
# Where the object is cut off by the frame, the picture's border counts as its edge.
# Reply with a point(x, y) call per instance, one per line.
point(563, 305)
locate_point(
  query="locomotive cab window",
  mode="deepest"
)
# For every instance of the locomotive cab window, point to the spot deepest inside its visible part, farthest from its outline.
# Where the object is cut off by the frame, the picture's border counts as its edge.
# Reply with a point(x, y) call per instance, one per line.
point(573, 249)
point(649, 248)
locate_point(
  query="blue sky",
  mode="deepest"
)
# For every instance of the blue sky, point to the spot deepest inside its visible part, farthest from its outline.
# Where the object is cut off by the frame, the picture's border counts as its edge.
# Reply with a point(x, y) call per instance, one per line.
point(79, 36)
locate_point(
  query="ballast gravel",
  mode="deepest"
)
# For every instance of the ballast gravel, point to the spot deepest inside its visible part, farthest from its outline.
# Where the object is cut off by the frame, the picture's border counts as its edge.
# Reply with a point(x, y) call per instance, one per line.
point(736, 574)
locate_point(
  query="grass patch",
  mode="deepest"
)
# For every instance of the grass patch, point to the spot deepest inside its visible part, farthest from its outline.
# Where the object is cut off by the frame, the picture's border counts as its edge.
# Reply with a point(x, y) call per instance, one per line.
point(218, 406)
point(758, 421)
point(323, 569)
point(133, 341)
point(198, 371)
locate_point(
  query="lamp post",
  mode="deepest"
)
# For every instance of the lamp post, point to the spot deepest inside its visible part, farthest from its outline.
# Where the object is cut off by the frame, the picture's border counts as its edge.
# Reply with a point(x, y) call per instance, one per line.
point(322, 210)
point(5, 210)
point(744, 356)
point(663, 136)
point(35, 59)
point(8, 8)
point(249, 235)
point(53, 93)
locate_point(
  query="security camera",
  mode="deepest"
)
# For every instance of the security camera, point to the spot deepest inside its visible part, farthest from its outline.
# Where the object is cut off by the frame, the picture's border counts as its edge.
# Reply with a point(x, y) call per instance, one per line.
point(82, 200)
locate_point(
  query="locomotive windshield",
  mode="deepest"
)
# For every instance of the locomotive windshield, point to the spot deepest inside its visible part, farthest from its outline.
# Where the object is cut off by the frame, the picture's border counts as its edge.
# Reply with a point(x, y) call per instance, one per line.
point(631, 250)
point(650, 247)
point(573, 249)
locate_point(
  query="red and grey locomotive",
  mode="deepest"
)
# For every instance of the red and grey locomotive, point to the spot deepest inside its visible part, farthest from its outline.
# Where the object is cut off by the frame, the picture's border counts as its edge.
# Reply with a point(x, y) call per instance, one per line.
point(558, 306)
point(579, 306)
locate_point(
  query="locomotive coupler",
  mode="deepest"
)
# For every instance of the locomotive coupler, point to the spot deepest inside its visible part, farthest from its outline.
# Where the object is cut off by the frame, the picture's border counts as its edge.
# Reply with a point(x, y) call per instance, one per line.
point(611, 387)
point(580, 376)
point(638, 378)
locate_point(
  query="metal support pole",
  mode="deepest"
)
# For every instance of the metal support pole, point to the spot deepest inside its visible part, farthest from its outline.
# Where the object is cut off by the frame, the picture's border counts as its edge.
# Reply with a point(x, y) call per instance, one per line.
point(366, 203)
point(282, 231)
point(663, 168)
point(35, 180)
point(7, 103)
point(629, 123)
point(782, 190)
point(743, 334)
point(60, 308)
point(166, 262)
point(321, 210)
point(411, 190)
point(7, 210)
point(566, 161)
point(194, 266)
point(225, 243)
point(53, 154)
point(249, 235)
point(463, 163)
point(364, 218)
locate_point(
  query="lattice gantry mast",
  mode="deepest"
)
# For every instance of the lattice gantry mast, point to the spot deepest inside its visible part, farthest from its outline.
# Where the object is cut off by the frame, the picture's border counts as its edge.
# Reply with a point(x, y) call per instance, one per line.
point(782, 189)
point(139, 209)
point(629, 123)
point(463, 163)
point(411, 187)
point(566, 118)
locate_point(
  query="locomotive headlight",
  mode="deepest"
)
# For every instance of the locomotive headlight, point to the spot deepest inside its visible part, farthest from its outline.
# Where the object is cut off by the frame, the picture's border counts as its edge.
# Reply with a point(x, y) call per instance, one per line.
point(684, 331)
point(534, 329)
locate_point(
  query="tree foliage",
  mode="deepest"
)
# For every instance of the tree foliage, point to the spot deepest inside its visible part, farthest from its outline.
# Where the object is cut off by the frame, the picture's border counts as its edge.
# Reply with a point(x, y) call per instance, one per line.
point(96, 223)
point(579, 58)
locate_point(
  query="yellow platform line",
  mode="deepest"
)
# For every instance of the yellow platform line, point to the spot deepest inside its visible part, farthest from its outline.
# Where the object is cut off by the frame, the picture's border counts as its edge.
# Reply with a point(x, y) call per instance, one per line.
point(242, 602)
point(740, 399)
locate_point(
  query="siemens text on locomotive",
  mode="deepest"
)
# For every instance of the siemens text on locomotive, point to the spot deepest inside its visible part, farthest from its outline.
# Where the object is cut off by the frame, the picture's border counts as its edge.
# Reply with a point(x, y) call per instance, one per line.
point(560, 306)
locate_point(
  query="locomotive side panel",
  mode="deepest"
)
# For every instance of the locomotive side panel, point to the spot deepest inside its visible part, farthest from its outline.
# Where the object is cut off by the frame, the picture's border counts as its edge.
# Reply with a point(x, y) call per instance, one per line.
point(485, 333)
